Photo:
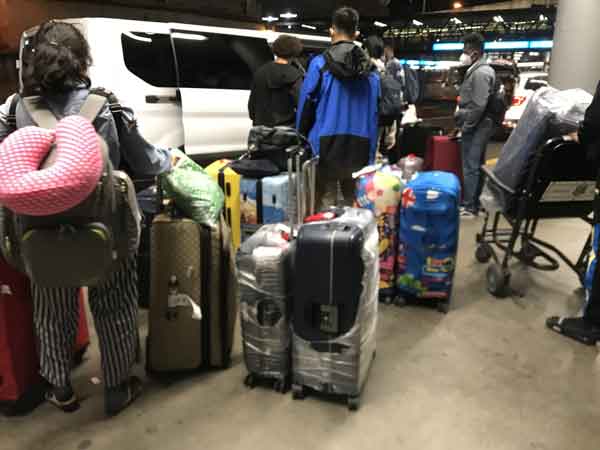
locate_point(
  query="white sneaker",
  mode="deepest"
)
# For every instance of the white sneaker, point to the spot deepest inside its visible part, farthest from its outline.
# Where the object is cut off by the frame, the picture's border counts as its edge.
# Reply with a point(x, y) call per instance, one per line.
point(466, 214)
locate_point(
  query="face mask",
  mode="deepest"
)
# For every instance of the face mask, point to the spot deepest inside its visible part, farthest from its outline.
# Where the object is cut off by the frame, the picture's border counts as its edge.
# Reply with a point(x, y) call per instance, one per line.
point(465, 60)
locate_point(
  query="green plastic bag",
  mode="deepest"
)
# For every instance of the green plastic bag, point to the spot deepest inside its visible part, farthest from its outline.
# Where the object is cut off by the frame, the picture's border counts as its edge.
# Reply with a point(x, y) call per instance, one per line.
point(194, 192)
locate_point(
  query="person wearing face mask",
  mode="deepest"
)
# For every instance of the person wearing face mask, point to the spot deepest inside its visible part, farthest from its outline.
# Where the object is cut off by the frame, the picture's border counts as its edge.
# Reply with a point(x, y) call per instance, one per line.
point(476, 125)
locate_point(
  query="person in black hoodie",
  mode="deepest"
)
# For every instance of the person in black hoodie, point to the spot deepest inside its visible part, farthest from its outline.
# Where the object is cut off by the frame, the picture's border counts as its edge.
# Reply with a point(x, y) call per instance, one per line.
point(274, 93)
point(338, 110)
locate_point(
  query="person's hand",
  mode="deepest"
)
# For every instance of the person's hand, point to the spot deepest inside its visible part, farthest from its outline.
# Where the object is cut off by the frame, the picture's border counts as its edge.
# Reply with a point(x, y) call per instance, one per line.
point(572, 137)
point(454, 133)
point(174, 159)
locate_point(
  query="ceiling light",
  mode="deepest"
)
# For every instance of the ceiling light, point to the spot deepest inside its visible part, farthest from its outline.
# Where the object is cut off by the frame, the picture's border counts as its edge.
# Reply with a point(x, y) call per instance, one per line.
point(308, 27)
point(288, 15)
point(270, 19)
point(543, 18)
point(456, 20)
point(498, 19)
point(417, 23)
point(457, 5)
point(380, 24)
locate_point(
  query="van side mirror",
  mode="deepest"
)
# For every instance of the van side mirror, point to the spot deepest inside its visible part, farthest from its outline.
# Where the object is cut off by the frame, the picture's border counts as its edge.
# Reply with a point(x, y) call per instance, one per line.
point(534, 85)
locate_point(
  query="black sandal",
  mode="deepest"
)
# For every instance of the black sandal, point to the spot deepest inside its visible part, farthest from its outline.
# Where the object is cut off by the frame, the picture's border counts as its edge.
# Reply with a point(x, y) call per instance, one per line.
point(63, 398)
point(119, 398)
point(575, 328)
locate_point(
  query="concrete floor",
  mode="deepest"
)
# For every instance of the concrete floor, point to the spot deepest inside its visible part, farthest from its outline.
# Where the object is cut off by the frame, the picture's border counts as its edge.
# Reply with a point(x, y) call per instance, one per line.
point(486, 376)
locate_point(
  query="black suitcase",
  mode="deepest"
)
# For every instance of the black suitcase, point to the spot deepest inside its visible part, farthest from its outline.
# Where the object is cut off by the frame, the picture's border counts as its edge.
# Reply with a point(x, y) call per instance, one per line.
point(335, 305)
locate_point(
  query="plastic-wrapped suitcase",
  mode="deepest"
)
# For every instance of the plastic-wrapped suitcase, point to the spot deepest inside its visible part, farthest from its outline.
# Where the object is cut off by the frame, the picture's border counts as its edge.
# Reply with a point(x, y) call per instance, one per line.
point(444, 154)
point(263, 201)
point(336, 281)
point(229, 181)
point(193, 296)
point(263, 261)
point(428, 238)
point(380, 190)
point(21, 387)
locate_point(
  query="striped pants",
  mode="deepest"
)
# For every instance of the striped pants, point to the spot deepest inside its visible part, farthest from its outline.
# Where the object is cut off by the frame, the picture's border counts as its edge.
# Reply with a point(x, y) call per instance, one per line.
point(114, 307)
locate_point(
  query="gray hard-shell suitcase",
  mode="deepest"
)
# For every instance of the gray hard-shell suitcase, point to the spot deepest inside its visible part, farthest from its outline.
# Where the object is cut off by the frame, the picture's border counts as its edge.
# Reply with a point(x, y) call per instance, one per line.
point(264, 274)
point(193, 274)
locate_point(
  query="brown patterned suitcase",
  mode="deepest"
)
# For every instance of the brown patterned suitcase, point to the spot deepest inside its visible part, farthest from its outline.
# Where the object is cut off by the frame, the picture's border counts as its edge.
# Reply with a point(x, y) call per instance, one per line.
point(193, 304)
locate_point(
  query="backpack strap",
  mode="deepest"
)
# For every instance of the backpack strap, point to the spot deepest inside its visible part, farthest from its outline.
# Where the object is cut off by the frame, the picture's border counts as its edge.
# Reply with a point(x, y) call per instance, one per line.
point(11, 118)
point(39, 112)
point(92, 106)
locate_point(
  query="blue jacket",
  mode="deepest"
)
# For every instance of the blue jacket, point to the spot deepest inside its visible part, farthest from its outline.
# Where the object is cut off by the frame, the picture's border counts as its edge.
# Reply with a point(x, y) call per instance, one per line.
point(338, 108)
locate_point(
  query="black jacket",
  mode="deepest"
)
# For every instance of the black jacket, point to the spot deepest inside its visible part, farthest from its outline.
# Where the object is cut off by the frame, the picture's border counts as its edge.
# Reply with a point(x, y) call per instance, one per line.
point(589, 133)
point(274, 95)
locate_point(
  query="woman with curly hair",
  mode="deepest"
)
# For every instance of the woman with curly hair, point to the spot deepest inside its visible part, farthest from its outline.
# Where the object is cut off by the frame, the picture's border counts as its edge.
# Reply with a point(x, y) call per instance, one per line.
point(56, 69)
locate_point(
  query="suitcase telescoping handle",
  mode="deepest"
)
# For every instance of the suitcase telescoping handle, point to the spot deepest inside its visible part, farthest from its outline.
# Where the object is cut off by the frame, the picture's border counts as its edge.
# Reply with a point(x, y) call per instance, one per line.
point(305, 182)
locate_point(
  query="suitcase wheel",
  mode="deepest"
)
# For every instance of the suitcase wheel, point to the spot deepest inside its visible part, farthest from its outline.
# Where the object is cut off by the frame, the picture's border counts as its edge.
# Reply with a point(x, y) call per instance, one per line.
point(484, 253)
point(443, 307)
point(353, 403)
point(281, 386)
point(250, 381)
point(298, 392)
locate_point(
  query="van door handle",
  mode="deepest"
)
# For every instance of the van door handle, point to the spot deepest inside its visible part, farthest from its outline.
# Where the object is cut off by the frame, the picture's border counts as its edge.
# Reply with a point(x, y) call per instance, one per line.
point(161, 99)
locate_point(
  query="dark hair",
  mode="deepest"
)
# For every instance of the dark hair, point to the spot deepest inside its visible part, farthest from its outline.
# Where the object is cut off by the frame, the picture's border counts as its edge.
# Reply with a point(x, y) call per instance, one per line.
point(374, 46)
point(287, 47)
point(345, 20)
point(60, 58)
point(474, 41)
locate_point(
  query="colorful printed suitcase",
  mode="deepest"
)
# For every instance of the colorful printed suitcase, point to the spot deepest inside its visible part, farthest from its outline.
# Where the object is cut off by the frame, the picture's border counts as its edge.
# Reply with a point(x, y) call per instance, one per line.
point(379, 190)
point(229, 181)
point(428, 238)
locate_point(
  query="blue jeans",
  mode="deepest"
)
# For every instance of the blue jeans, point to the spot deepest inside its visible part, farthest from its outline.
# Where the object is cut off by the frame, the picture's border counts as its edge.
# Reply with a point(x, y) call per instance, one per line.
point(474, 145)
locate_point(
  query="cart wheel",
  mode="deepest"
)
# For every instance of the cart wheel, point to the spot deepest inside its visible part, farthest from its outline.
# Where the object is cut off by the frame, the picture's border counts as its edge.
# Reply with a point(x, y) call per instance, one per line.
point(443, 307)
point(353, 403)
point(298, 392)
point(400, 301)
point(529, 253)
point(498, 280)
point(483, 254)
point(250, 381)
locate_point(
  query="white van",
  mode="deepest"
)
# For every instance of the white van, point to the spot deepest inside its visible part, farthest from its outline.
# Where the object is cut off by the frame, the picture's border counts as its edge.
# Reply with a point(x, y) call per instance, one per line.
point(188, 84)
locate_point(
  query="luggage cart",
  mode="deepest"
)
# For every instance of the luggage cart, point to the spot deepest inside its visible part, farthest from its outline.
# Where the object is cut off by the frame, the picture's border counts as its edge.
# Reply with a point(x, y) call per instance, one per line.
point(560, 184)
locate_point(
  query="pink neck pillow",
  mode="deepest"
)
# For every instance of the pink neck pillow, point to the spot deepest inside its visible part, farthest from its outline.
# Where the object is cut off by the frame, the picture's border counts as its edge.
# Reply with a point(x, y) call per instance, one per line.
point(28, 189)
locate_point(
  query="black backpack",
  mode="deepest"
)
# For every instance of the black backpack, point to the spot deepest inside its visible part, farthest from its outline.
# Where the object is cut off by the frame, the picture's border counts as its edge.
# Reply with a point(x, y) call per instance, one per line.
point(391, 103)
point(497, 102)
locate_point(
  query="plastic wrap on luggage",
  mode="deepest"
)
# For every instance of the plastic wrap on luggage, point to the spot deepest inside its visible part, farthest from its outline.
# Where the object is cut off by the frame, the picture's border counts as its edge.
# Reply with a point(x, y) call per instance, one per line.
point(550, 113)
point(344, 370)
point(264, 302)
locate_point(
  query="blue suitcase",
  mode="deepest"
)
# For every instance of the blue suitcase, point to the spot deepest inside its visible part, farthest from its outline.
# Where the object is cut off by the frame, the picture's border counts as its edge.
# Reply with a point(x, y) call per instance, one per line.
point(263, 202)
point(428, 238)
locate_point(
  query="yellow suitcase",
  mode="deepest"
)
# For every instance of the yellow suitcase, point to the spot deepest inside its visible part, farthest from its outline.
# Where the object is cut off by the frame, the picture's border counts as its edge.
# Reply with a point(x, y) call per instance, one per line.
point(230, 183)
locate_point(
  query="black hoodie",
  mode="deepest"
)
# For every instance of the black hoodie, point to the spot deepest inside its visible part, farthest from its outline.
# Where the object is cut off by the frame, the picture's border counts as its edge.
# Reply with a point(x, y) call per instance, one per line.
point(274, 95)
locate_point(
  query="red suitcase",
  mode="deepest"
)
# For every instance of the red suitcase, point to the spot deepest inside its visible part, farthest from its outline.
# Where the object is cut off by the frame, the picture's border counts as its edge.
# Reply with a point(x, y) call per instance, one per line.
point(443, 153)
point(21, 387)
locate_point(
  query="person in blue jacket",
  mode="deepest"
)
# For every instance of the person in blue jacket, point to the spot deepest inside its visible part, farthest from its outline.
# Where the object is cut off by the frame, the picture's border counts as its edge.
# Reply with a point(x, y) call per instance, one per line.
point(338, 110)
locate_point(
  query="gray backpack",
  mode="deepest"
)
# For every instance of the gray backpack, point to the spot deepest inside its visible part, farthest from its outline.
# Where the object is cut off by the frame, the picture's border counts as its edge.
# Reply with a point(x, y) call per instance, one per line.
point(81, 246)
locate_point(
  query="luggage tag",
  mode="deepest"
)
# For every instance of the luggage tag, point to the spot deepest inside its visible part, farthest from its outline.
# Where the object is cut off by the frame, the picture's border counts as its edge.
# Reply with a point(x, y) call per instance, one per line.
point(177, 299)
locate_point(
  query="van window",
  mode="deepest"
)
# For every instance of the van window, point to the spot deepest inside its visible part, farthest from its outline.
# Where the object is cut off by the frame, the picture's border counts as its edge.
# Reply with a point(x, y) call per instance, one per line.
point(217, 61)
point(150, 57)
